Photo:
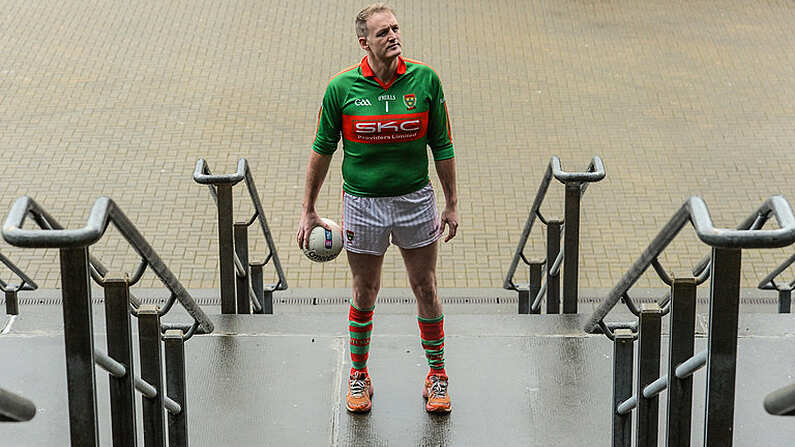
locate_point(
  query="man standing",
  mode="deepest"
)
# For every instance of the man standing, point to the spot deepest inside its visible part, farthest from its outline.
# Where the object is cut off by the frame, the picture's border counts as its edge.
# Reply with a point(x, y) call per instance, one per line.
point(387, 110)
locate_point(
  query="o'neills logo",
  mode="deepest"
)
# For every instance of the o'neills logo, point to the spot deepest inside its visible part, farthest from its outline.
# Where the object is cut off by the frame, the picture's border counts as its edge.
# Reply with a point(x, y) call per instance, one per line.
point(382, 129)
point(360, 342)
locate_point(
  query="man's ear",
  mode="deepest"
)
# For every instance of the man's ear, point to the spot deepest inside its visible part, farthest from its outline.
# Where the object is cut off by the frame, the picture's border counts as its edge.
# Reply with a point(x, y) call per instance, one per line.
point(363, 43)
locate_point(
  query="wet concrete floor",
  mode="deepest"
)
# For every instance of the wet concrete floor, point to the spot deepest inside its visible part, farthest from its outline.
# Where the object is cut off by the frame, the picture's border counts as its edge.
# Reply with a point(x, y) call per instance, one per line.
point(280, 380)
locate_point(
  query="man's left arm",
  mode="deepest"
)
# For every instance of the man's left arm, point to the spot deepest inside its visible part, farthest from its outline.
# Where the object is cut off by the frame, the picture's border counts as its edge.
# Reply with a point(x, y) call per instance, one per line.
point(446, 171)
point(440, 141)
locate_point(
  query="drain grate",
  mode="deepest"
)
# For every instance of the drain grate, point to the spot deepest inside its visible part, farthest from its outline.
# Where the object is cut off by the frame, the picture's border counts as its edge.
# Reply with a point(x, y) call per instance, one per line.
point(57, 300)
point(703, 300)
point(398, 300)
point(318, 301)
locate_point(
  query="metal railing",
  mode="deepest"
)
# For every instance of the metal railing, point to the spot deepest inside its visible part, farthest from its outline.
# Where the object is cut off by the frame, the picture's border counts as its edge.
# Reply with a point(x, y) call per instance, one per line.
point(784, 289)
point(81, 355)
point(15, 408)
point(575, 184)
point(11, 290)
point(781, 402)
point(720, 357)
point(241, 281)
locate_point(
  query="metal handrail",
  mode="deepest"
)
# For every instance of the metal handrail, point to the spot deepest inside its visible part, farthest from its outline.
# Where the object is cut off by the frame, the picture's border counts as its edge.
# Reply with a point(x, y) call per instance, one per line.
point(554, 270)
point(683, 371)
point(594, 173)
point(104, 212)
point(769, 283)
point(202, 175)
point(118, 370)
point(701, 272)
point(781, 402)
point(98, 272)
point(15, 408)
point(695, 211)
point(784, 289)
point(10, 290)
point(26, 284)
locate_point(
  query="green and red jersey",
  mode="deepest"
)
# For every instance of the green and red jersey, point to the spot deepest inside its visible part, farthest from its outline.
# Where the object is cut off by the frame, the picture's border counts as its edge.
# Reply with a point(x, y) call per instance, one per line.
point(384, 127)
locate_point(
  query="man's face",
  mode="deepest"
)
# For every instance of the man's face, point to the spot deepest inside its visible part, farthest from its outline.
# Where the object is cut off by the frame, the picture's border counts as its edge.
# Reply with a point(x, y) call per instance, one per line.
point(383, 36)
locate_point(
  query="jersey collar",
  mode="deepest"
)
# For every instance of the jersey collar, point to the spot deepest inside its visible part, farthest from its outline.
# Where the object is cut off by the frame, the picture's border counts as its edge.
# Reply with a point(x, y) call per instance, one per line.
point(367, 72)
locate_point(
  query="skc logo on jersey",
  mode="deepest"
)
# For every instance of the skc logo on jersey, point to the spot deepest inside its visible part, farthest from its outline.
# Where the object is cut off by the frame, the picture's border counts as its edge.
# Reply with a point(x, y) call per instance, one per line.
point(383, 129)
point(410, 101)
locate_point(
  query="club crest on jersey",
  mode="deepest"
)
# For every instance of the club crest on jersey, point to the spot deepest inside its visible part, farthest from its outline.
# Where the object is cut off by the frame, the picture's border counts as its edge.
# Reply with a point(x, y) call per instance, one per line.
point(410, 101)
point(349, 234)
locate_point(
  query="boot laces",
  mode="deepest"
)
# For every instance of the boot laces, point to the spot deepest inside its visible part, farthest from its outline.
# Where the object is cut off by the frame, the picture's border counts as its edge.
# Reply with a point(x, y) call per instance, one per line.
point(439, 386)
point(358, 385)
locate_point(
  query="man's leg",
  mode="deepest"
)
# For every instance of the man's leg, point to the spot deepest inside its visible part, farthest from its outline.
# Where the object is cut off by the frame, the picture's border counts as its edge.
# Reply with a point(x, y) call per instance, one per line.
point(421, 268)
point(366, 271)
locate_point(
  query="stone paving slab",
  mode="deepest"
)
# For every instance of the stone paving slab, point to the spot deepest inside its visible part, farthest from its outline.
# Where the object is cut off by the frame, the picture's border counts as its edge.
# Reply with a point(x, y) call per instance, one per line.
point(120, 99)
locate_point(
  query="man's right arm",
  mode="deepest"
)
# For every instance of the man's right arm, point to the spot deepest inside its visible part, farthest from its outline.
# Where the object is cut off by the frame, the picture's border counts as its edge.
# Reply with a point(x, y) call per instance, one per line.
point(316, 171)
point(326, 138)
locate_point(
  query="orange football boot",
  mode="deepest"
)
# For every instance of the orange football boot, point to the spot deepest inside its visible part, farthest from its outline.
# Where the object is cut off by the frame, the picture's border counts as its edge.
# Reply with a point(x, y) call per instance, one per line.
point(435, 391)
point(360, 389)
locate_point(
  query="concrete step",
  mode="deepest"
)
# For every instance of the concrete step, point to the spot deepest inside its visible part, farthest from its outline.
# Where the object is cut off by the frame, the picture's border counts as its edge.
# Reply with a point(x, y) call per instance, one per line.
point(280, 380)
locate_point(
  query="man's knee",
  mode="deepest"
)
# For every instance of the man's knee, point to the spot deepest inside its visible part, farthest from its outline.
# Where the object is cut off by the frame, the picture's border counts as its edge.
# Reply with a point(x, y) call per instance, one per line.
point(425, 290)
point(367, 290)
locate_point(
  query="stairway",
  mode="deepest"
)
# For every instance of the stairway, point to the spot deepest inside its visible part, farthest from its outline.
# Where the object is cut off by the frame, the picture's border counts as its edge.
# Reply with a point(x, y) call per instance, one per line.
point(532, 380)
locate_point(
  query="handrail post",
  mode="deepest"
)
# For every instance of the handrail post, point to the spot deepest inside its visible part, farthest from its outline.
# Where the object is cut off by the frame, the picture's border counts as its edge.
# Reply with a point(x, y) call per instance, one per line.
point(120, 348)
point(623, 359)
point(242, 281)
point(222, 185)
point(648, 371)
point(524, 300)
point(724, 305)
point(175, 381)
point(265, 297)
point(784, 301)
point(12, 302)
point(680, 348)
point(81, 383)
point(553, 281)
point(571, 247)
point(152, 373)
point(226, 248)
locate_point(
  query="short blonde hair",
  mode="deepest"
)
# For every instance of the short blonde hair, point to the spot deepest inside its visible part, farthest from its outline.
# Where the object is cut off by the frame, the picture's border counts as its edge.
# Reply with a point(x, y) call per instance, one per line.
point(366, 13)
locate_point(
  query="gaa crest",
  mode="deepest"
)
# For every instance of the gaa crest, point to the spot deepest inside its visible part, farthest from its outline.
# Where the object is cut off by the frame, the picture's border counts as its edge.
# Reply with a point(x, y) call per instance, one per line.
point(349, 234)
point(410, 101)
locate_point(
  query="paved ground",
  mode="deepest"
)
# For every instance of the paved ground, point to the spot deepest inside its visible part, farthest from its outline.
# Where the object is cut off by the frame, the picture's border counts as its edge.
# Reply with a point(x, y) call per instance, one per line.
point(279, 380)
point(679, 98)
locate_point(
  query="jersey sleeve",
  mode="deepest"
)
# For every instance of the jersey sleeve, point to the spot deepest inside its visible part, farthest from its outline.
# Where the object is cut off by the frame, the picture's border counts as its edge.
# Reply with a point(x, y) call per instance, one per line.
point(439, 137)
point(329, 121)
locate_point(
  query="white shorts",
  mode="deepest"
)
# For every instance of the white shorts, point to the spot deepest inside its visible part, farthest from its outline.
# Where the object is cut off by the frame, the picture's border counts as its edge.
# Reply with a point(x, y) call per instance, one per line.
point(368, 222)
